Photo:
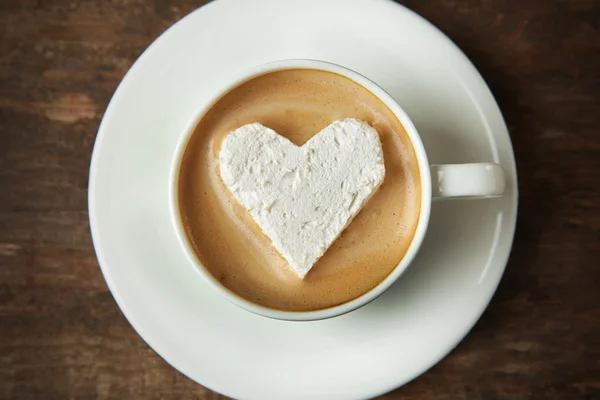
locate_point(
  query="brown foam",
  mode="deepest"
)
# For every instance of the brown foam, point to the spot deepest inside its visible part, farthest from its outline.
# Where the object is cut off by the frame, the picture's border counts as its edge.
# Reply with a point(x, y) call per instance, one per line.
point(298, 104)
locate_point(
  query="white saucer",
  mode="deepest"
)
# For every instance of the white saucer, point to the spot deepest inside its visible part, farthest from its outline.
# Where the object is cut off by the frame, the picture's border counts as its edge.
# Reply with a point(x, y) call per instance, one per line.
point(359, 355)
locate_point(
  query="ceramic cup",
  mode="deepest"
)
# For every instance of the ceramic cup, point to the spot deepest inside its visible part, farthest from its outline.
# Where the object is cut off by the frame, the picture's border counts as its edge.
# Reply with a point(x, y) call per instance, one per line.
point(437, 181)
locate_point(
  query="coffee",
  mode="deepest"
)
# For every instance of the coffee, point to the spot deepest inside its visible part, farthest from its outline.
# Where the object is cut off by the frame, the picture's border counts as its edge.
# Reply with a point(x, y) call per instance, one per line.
point(297, 104)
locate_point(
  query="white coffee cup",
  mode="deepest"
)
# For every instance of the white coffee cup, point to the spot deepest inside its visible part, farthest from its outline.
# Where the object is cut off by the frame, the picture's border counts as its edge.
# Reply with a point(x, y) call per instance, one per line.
point(480, 180)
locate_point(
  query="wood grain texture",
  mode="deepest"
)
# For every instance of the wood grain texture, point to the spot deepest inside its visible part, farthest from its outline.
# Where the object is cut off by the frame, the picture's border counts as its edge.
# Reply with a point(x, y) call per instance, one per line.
point(63, 337)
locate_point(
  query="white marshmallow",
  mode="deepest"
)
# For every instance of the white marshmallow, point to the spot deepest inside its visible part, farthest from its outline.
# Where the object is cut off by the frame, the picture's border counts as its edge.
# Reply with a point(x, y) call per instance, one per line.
point(303, 197)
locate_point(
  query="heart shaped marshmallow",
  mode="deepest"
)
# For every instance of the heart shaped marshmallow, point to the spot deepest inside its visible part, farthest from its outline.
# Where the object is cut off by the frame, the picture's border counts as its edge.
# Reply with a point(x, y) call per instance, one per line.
point(303, 197)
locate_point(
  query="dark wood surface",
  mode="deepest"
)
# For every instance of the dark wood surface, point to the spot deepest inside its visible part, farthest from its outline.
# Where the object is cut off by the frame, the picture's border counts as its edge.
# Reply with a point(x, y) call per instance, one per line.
point(63, 337)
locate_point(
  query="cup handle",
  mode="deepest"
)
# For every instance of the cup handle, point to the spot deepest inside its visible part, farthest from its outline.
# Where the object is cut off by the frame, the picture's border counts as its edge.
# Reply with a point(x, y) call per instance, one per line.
point(467, 180)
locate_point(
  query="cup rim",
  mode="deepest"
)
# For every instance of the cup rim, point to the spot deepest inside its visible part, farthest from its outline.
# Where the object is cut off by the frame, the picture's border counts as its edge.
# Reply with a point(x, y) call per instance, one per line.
point(425, 178)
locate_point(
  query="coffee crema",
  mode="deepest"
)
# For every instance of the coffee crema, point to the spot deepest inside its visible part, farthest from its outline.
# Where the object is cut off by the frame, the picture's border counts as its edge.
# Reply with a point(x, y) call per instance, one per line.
point(297, 104)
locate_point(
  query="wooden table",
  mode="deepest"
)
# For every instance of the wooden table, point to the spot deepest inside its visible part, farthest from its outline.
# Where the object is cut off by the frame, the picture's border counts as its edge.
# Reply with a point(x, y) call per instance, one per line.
point(63, 337)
